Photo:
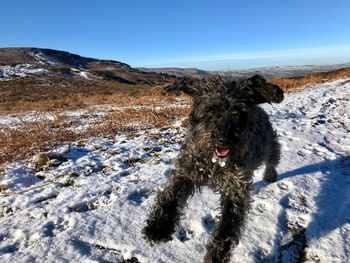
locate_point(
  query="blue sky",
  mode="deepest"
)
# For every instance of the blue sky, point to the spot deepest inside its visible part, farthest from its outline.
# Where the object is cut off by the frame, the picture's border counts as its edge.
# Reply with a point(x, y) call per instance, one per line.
point(204, 34)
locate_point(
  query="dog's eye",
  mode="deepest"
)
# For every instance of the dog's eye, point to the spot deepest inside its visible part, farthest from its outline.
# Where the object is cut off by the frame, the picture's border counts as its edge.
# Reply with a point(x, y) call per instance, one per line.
point(215, 108)
point(211, 109)
point(238, 129)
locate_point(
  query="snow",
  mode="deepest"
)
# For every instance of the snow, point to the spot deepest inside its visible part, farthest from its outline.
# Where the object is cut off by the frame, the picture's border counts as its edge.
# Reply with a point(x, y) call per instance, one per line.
point(14, 121)
point(84, 74)
point(42, 58)
point(92, 207)
point(19, 70)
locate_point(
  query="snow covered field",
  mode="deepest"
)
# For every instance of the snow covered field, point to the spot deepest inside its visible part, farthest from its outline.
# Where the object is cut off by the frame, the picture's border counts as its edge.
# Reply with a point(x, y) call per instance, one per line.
point(90, 202)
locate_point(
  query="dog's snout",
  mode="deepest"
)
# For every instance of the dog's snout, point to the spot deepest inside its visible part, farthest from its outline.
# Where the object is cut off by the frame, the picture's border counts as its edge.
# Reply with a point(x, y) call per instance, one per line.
point(220, 142)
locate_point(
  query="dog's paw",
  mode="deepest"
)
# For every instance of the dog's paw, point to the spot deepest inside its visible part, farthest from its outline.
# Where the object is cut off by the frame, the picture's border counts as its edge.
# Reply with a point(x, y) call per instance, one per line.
point(270, 175)
point(156, 233)
point(270, 179)
point(218, 251)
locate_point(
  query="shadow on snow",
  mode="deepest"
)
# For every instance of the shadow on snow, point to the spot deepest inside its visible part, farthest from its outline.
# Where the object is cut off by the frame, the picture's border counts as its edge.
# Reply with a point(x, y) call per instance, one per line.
point(332, 205)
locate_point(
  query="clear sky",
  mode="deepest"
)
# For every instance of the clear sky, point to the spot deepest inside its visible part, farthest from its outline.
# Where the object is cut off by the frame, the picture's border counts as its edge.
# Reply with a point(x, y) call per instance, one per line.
point(200, 33)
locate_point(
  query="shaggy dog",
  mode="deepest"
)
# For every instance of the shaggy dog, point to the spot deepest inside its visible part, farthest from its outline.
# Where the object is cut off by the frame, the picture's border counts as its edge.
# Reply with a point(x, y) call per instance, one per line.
point(229, 137)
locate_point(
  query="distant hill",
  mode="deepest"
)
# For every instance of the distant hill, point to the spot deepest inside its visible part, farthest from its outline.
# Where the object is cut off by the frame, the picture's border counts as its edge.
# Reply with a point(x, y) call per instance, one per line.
point(60, 79)
point(180, 72)
point(282, 71)
point(23, 62)
point(267, 72)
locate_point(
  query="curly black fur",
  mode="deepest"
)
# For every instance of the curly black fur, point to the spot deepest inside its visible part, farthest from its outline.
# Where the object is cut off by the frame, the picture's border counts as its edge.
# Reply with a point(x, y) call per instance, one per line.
point(229, 137)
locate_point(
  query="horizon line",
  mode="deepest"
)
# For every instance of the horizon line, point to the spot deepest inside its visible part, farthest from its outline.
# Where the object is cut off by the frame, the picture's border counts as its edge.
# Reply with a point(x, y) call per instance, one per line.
point(319, 55)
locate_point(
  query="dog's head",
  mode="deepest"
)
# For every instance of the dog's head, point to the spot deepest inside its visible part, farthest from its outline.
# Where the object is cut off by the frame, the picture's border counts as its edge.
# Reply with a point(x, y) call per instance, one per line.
point(222, 109)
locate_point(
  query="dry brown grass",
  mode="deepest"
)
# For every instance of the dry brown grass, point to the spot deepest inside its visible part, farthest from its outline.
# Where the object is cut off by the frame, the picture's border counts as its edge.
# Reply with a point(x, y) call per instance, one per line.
point(32, 137)
point(293, 84)
point(26, 95)
point(131, 119)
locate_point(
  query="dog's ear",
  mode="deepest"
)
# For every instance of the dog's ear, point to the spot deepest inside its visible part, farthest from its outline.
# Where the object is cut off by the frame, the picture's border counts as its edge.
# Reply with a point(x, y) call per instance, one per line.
point(186, 85)
point(257, 90)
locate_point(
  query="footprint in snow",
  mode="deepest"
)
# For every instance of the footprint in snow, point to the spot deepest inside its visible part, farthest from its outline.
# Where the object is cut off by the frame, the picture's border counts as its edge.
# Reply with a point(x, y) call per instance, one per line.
point(61, 225)
point(322, 151)
point(138, 196)
point(103, 199)
point(285, 185)
point(299, 203)
point(289, 135)
point(304, 152)
point(320, 119)
point(263, 207)
point(168, 172)
point(45, 199)
point(208, 223)
point(97, 252)
point(9, 249)
point(182, 234)
point(48, 229)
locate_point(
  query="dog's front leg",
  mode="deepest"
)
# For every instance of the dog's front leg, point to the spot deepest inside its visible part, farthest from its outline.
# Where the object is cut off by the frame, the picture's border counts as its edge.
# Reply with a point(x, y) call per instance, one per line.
point(167, 210)
point(228, 230)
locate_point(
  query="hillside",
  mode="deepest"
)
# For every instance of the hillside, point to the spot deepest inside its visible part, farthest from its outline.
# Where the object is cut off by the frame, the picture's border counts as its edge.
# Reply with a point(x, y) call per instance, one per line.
point(16, 61)
point(87, 200)
point(44, 75)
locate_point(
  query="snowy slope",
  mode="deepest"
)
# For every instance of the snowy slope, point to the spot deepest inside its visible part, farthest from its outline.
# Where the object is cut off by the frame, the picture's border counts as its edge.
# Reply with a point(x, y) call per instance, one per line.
point(19, 70)
point(91, 206)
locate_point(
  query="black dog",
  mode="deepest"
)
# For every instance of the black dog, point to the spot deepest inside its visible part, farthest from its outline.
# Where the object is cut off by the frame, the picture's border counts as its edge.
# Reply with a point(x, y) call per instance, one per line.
point(229, 137)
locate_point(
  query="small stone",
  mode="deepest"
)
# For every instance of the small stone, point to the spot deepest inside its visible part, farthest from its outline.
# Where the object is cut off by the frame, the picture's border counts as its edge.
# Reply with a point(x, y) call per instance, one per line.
point(40, 175)
point(40, 160)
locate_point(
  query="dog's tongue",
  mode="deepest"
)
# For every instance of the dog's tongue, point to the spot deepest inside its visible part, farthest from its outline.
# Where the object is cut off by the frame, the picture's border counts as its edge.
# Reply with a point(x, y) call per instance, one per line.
point(222, 151)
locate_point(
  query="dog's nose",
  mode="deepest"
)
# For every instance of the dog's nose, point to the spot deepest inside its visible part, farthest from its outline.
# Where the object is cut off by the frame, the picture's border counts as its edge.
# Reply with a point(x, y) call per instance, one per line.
point(220, 142)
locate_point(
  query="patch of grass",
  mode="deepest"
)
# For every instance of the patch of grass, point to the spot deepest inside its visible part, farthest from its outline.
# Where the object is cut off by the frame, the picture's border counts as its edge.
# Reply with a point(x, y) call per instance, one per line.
point(293, 84)
point(50, 93)
point(3, 188)
point(32, 137)
point(69, 182)
point(29, 138)
point(74, 174)
point(185, 122)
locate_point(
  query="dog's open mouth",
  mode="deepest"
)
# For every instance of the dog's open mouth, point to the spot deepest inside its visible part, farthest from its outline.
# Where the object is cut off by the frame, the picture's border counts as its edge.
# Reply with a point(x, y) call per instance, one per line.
point(222, 152)
point(220, 155)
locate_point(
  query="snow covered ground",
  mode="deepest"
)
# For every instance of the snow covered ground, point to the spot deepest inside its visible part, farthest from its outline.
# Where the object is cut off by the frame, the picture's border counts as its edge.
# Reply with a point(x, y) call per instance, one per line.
point(90, 202)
